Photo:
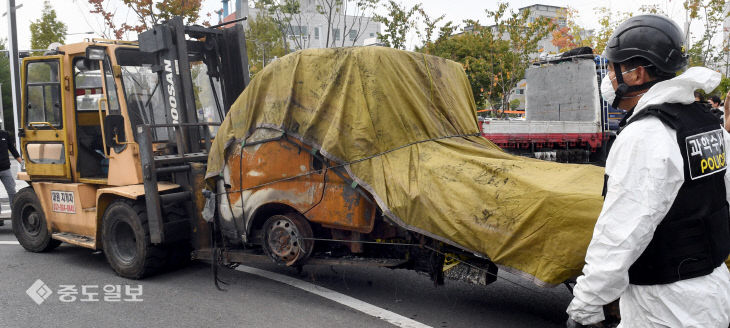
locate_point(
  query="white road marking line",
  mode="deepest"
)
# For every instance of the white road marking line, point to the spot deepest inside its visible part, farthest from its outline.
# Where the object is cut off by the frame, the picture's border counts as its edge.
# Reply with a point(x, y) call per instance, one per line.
point(351, 302)
point(9, 242)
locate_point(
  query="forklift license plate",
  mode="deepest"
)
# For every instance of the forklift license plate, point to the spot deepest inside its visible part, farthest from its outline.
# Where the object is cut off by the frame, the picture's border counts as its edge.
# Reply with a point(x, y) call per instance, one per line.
point(63, 201)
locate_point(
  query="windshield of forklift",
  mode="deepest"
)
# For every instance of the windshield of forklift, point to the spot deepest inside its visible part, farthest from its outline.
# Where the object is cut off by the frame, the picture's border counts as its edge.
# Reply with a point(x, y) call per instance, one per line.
point(145, 101)
point(142, 90)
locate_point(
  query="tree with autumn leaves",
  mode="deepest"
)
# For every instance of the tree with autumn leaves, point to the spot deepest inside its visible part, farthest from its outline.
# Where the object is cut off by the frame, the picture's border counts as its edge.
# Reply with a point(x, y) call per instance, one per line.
point(147, 12)
point(704, 49)
point(571, 35)
point(494, 57)
point(708, 48)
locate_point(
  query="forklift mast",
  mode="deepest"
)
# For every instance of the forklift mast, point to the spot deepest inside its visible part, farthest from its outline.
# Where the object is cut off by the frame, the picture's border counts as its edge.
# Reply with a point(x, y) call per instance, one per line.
point(175, 47)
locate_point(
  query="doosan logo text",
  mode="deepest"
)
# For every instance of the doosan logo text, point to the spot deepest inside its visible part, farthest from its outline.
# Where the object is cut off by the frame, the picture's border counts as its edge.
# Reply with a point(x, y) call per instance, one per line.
point(172, 98)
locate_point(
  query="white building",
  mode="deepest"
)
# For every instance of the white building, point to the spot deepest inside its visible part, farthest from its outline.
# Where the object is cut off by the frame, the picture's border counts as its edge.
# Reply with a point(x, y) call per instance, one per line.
point(310, 29)
point(551, 12)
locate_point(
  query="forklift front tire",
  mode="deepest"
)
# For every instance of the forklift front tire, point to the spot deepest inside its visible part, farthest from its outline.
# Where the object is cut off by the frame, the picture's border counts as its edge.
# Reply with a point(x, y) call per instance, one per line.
point(29, 222)
point(126, 240)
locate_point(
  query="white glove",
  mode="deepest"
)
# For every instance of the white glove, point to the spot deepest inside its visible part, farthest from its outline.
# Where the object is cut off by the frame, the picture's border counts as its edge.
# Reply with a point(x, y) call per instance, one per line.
point(585, 314)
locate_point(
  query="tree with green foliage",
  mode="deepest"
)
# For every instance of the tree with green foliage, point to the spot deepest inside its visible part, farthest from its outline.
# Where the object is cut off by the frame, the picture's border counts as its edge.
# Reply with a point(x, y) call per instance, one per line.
point(608, 22)
point(711, 14)
point(7, 99)
point(495, 58)
point(291, 21)
point(398, 21)
point(513, 54)
point(264, 42)
point(47, 29)
point(431, 24)
point(722, 89)
point(514, 104)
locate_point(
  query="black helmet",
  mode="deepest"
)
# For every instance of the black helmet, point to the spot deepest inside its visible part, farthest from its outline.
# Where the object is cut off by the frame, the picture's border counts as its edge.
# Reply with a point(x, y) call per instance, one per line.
point(655, 38)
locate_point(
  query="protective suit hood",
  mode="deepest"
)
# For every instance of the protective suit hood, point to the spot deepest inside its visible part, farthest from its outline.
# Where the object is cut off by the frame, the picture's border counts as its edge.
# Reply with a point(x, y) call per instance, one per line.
point(679, 89)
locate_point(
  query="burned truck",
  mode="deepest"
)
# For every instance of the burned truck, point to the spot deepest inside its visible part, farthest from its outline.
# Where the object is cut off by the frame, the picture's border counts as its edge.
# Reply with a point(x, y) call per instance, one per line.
point(374, 155)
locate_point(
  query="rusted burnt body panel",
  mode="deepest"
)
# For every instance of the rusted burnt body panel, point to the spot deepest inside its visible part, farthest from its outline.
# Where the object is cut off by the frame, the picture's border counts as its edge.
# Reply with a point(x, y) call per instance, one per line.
point(271, 170)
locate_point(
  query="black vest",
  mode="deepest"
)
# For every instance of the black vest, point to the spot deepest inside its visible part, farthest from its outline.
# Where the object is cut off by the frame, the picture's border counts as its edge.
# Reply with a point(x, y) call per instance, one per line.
point(694, 237)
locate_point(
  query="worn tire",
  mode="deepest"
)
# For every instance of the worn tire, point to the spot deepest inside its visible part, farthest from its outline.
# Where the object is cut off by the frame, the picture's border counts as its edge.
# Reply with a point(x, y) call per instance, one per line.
point(281, 239)
point(126, 240)
point(29, 222)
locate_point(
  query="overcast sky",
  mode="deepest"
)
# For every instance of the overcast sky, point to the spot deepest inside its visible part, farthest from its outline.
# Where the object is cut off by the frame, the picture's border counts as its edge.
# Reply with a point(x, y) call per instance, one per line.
point(75, 13)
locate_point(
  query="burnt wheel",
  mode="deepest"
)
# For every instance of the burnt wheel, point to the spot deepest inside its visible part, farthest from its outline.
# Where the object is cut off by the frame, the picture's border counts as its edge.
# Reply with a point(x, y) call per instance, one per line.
point(126, 240)
point(284, 239)
point(29, 222)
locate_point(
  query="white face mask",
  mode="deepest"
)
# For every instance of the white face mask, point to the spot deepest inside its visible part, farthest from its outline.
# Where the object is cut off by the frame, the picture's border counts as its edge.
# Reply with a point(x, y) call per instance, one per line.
point(607, 91)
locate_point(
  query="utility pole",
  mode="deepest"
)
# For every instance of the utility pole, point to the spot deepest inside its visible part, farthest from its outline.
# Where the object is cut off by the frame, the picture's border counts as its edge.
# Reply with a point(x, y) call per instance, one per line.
point(14, 67)
point(2, 109)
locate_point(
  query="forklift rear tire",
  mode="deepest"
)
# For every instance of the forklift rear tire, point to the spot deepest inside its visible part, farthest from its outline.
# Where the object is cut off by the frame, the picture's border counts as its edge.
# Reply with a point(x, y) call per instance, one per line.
point(126, 240)
point(29, 223)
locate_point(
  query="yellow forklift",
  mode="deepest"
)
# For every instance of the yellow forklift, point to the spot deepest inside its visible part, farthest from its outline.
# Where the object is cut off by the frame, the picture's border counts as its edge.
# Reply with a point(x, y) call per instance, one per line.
point(115, 136)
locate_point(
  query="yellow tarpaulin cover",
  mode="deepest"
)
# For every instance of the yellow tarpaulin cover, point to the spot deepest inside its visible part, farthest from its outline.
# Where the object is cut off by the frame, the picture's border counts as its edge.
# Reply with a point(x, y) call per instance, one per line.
point(401, 111)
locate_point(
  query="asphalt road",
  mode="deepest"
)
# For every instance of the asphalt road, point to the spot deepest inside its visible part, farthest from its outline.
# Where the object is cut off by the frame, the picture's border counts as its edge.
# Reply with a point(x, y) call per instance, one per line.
point(188, 298)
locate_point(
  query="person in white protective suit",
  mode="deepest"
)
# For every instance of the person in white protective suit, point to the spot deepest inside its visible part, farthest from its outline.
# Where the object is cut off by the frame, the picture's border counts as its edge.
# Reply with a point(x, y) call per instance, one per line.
point(662, 237)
